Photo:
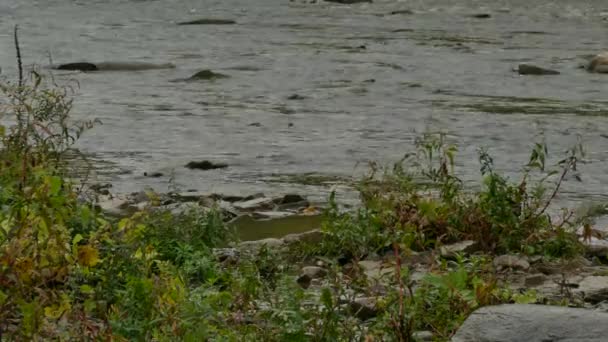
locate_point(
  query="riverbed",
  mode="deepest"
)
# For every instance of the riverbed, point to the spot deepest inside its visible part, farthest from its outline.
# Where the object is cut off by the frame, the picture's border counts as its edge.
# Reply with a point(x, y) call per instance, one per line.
point(368, 77)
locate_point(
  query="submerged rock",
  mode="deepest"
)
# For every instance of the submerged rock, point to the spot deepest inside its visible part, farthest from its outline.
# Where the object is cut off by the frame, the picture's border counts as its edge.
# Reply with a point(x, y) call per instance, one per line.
point(533, 323)
point(599, 63)
point(114, 66)
point(205, 165)
point(208, 21)
point(529, 69)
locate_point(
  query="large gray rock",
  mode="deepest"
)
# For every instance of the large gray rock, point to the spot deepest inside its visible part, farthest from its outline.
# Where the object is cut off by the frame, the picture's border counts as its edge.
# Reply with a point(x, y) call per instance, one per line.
point(533, 323)
point(594, 289)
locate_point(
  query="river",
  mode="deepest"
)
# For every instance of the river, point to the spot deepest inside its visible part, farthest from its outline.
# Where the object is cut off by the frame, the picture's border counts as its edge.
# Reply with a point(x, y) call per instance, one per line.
point(368, 82)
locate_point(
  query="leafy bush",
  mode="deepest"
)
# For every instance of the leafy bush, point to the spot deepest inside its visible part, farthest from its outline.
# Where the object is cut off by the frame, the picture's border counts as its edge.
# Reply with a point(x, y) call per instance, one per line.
point(425, 205)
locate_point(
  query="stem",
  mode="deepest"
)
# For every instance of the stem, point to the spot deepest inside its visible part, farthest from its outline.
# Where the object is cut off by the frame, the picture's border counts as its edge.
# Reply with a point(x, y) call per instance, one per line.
point(557, 187)
point(19, 61)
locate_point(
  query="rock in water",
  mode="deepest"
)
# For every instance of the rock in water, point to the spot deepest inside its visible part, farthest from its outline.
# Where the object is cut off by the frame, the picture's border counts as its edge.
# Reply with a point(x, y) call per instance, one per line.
point(114, 66)
point(533, 323)
point(481, 16)
point(529, 69)
point(206, 75)
point(599, 63)
point(208, 21)
point(205, 165)
point(84, 66)
point(348, 2)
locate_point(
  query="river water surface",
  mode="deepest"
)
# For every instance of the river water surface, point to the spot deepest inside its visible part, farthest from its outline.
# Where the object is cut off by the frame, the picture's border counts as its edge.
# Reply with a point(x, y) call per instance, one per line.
point(368, 82)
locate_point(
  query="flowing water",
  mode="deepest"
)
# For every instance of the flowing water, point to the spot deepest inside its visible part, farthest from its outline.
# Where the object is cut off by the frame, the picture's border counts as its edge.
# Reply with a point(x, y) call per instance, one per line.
point(368, 82)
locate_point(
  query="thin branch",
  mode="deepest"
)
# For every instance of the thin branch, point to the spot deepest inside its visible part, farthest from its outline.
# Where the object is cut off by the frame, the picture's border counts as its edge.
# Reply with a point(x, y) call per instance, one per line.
point(19, 60)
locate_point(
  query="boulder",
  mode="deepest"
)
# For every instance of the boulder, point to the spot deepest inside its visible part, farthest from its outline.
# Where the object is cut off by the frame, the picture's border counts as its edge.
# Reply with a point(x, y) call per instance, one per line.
point(208, 21)
point(529, 69)
point(599, 63)
point(594, 289)
point(596, 247)
point(533, 323)
point(511, 262)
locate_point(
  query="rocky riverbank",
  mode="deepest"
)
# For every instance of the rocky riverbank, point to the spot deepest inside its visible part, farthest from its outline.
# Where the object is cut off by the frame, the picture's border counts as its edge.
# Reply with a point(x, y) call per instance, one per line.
point(365, 283)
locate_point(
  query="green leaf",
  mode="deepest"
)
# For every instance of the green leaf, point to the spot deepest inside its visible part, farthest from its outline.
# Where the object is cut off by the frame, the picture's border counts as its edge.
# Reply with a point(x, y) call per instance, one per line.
point(54, 185)
point(77, 239)
point(86, 289)
point(3, 297)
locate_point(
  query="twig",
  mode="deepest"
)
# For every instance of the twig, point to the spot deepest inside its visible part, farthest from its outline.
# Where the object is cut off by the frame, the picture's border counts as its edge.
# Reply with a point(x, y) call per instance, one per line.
point(19, 61)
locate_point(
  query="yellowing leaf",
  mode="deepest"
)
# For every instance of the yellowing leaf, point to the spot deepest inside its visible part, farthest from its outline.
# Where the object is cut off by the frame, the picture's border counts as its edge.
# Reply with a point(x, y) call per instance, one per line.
point(56, 311)
point(88, 255)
